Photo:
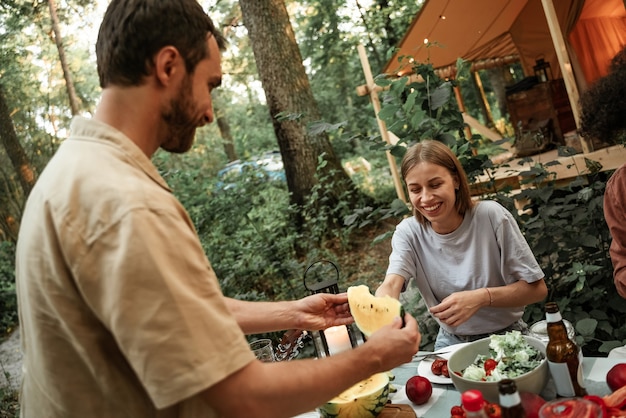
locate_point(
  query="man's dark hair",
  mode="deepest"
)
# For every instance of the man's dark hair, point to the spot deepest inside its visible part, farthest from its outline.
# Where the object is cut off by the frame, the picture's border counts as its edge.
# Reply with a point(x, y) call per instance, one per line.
point(132, 31)
point(603, 105)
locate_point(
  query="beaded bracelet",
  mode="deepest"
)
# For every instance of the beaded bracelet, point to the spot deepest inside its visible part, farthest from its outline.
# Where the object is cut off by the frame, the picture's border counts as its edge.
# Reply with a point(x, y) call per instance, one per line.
point(490, 298)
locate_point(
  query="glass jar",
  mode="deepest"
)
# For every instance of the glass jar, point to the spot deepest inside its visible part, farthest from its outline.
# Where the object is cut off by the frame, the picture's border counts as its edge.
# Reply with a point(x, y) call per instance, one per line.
point(539, 330)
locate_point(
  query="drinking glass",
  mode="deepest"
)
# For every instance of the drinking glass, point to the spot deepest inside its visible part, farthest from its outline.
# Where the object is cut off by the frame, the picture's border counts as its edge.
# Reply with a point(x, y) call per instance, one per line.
point(263, 350)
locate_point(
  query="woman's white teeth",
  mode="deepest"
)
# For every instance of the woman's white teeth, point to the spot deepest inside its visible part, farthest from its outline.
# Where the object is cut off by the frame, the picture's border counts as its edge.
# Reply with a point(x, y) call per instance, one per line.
point(431, 208)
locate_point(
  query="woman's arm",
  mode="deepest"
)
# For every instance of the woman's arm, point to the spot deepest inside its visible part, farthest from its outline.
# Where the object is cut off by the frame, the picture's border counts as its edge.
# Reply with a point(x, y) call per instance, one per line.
point(391, 286)
point(520, 293)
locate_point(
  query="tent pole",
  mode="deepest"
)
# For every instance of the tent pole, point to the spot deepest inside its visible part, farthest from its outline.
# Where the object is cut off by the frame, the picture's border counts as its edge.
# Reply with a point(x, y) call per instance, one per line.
point(566, 66)
point(381, 124)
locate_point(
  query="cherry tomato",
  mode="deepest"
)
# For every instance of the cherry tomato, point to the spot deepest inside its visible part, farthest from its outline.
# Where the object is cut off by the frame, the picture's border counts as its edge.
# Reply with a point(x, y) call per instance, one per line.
point(437, 365)
point(493, 410)
point(444, 370)
point(489, 365)
point(457, 411)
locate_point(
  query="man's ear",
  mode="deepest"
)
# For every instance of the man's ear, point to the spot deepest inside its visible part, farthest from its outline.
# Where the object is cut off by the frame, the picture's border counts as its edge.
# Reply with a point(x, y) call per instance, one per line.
point(166, 64)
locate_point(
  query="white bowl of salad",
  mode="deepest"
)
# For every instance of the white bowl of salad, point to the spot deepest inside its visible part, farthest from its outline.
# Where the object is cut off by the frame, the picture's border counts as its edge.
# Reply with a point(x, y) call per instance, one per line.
point(483, 363)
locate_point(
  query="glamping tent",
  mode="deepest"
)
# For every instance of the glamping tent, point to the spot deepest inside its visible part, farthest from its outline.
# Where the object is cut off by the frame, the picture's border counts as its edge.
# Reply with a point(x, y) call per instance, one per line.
point(577, 38)
point(496, 32)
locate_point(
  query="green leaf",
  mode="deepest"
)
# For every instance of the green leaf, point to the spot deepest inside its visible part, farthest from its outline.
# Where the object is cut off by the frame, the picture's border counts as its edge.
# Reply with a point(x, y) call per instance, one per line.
point(382, 237)
point(288, 116)
point(382, 80)
point(545, 193)
point(319, 127)
point(399, 206)
point(588, 240)
point(441, 96)
point(593, 166)
point(388, 112)
point(586, 327)
point(605, 326)
point(410, 102)
point(607, 346)
point(398, 86)
point(586, 194)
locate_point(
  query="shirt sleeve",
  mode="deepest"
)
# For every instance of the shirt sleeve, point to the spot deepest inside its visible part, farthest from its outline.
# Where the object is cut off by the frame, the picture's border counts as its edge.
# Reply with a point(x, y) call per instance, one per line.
point(517, 259)
point(615, 216)
point(148, 280)
point(402, 257)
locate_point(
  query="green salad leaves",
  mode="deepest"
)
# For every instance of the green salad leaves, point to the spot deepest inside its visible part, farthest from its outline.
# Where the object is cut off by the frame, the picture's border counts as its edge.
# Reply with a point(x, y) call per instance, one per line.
point(513, 355)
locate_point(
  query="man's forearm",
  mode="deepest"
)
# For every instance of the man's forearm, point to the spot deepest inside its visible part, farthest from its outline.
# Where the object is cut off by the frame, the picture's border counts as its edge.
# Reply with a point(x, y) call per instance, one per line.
point(259, 317)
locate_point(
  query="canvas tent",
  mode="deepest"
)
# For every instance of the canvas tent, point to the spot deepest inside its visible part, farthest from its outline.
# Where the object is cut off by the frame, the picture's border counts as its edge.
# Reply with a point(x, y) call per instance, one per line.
point(577, 38)
point(493, 32)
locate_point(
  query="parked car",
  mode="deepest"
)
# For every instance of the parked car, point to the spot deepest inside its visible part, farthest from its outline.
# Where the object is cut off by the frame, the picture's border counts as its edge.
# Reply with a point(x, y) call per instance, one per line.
point(269, 165)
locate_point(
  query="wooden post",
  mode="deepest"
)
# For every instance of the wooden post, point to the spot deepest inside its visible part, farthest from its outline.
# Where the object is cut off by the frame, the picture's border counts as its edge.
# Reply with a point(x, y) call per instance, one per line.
point(566, 66)
point(484, 103)
point(381, 124)
point(461, 104)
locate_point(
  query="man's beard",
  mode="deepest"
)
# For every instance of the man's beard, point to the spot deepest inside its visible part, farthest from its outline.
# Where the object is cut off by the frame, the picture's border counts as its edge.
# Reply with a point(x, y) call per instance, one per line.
point(179, 120)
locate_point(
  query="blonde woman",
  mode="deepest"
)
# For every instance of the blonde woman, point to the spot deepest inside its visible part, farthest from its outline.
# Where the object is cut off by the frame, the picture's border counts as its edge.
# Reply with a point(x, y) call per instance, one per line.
point(469, 260)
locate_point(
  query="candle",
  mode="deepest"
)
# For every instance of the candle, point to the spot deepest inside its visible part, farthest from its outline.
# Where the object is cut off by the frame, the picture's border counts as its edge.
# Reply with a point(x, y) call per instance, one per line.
point(337, 339)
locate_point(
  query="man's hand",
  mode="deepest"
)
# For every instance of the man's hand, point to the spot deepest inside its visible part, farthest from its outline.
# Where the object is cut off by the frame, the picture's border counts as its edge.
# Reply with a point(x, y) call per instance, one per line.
point(322, 310)
point(394, 344)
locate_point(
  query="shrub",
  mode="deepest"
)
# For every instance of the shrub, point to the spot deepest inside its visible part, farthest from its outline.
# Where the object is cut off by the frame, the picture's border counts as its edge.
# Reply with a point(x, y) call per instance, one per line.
point(8, 298)
point(565, 227)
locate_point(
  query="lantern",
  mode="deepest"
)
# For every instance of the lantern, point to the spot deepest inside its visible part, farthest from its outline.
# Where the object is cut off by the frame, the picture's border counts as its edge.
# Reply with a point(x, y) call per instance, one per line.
point(542, 69)
point(322, 277)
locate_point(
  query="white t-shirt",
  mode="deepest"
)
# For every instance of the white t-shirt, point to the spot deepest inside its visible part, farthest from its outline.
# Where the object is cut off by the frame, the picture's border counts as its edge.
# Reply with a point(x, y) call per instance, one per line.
point(486, 250)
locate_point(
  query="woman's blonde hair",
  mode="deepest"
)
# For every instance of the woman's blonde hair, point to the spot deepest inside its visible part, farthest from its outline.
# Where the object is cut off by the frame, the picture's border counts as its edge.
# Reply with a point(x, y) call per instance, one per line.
point(435, 152)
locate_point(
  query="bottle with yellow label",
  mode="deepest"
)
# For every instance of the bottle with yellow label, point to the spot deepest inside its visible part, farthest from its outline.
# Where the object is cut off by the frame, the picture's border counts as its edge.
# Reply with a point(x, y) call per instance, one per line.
point(564, 357)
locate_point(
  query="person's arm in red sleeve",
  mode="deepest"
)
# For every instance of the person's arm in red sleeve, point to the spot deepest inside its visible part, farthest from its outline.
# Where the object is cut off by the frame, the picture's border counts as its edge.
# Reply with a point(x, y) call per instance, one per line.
point(615, 216)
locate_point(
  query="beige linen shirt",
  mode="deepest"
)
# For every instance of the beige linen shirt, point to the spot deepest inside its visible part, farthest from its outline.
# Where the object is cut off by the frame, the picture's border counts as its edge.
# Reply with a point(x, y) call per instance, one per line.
point(120, 311)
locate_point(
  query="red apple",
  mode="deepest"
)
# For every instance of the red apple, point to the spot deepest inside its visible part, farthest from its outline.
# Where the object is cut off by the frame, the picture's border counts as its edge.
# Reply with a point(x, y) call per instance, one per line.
point(418, 389)
point(531, 403)
point(616, 377)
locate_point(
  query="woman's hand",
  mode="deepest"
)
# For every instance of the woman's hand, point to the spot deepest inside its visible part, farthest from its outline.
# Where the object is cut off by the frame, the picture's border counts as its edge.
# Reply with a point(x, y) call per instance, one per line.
point(322, 310)
point(460, 306)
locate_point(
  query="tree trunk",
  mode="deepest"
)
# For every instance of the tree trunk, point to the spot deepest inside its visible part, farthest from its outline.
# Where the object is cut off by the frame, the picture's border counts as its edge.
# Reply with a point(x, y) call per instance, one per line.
point(11, 200)
point(292, 105)
point(227, 138)
point(69, 84)
point(497, 78)
point(15, 151)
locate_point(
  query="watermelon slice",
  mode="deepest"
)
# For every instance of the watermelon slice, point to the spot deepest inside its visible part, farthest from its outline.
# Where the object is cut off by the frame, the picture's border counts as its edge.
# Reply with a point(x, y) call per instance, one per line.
point(366, 399)
point(371, 312)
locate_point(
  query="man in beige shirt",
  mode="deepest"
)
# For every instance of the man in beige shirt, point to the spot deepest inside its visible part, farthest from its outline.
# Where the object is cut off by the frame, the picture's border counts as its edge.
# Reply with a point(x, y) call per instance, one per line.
point(120, 311)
